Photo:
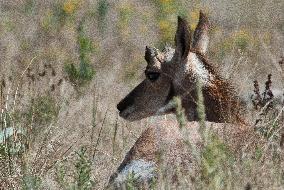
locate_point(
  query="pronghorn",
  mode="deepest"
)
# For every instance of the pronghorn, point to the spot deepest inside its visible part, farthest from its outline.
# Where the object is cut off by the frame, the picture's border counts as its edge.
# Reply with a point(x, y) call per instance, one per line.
point(178, 72)
point(175, 72)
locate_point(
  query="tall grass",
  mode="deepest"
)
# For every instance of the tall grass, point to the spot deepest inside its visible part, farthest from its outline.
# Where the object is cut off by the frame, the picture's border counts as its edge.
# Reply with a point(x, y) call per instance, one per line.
point(219, 167)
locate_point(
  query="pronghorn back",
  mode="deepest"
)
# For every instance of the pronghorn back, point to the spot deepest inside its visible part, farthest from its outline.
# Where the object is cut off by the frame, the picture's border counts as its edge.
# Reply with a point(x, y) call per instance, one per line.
point(162, 146)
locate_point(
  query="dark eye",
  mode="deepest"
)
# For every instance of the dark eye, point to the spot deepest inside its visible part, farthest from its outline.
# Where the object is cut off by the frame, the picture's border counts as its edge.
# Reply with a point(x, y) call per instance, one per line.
point(152, 76)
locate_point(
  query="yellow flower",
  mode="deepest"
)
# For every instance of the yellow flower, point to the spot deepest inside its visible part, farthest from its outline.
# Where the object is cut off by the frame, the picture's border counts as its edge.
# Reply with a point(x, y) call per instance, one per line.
point(242, 33)
point(243, 39)
point(70, 5)
point(164, 25)
point(166, 30)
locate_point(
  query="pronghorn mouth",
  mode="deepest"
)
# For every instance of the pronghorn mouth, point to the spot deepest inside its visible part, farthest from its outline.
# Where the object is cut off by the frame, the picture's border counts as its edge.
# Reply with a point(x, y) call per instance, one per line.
point(126, 112)
point(123, 114)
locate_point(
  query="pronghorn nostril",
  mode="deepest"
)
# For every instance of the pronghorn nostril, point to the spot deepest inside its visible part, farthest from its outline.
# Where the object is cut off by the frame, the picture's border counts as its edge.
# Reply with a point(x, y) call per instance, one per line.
point(120, 107)
point(126, 102)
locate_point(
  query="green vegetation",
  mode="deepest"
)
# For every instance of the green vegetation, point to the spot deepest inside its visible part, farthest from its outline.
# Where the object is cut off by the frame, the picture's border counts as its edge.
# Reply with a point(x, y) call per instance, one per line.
point(48, 21)
point(130, 182)
point(8, 146)
point(61, 176)
point(126, 13)
point(86, 46)
point(258, 153)
point(29, 7)
point(216, 164)
point(8, 25)
point(82, 173)
point(241, 40)
point(85, 72)
point(43, 110)
point(11, 128)
point(166, 26)
point(60, 14)
point(102, 9)
point(166, 11)
point(31, 182)
point(180, 115)
point(270, 130)
point(216, 159)
point(201, 111)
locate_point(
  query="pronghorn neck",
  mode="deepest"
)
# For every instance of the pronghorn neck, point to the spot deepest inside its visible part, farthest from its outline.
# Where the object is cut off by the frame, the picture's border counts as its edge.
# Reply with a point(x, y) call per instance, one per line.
point(219, 97)
point(196, 69)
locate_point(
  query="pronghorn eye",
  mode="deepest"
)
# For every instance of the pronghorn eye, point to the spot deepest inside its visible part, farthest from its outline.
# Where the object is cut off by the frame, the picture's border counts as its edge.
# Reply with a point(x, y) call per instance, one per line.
point(152, 76)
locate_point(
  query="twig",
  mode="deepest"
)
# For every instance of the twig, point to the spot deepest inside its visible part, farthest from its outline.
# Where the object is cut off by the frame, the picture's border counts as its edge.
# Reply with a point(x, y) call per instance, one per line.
point(98, 140)
point(115, 132)
point(277, 118)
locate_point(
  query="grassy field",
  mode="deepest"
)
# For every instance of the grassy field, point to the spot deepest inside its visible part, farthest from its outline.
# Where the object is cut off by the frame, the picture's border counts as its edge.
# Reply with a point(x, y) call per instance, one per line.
point(65, 64)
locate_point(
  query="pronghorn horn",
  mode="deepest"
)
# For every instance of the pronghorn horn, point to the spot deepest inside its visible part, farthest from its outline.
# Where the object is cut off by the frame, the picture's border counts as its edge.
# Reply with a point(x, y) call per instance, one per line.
point(151, 54)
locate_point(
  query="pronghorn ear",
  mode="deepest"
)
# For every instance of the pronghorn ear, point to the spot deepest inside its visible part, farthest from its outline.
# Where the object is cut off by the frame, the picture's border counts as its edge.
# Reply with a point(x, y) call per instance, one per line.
point(182, 38)
point(201, 37)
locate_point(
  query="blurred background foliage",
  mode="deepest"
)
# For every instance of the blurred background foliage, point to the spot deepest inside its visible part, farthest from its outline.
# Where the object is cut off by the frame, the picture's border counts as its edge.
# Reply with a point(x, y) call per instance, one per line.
point(91, 53)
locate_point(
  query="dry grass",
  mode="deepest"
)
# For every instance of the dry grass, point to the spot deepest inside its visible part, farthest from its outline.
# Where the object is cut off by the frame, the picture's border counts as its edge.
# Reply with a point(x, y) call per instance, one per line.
point(49, 111)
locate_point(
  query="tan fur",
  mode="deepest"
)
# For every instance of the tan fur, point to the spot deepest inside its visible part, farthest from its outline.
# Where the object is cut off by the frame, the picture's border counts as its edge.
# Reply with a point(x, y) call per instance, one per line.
point(165, 145)
point(169, 75)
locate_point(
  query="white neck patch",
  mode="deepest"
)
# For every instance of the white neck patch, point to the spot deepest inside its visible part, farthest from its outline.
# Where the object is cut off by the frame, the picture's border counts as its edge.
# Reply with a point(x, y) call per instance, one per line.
point(195, 67)
point(141, 171)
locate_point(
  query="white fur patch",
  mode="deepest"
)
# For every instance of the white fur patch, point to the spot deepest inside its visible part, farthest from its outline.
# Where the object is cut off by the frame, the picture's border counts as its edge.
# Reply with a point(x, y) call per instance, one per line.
point(169, 106)
point(196, 67)
point(169, 54)
point(137, 170)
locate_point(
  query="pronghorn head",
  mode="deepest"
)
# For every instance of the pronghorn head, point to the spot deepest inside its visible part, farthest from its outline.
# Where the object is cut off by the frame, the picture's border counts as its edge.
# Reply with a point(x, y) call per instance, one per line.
point(172, 72)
